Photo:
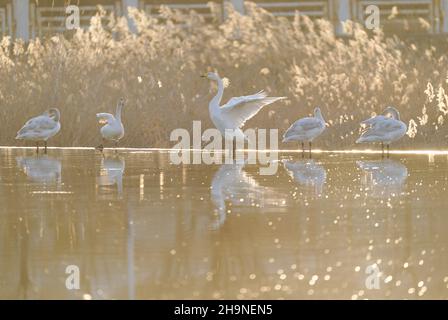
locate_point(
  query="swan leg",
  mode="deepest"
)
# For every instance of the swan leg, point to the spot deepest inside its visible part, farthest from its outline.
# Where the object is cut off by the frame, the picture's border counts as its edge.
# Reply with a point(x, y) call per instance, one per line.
point(116, 146)
point(101, 146)
point(37, 147)
point(234, 148)
point(310, 148)
point(388, 151)
point(382, 150)
point(303, 150)
point(45, 144)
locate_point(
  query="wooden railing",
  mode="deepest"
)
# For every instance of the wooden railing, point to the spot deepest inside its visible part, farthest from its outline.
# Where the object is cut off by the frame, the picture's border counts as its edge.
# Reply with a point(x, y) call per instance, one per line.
point(50, 20)
point(2, 21)
point(404, 15)
point(410, 16)
point(313, 9)
point(201, 8)
point(5, 20)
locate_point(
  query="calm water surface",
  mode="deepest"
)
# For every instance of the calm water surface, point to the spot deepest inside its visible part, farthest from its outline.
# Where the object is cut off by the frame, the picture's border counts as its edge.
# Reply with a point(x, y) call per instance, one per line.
point(139, 227)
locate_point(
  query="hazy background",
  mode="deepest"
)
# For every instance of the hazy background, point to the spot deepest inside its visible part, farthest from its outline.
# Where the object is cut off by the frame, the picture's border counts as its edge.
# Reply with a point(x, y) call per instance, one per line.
point(157, 71)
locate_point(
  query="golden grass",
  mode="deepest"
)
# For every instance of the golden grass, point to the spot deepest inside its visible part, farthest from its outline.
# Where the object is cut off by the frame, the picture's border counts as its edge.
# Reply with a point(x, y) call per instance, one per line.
point(158, 73)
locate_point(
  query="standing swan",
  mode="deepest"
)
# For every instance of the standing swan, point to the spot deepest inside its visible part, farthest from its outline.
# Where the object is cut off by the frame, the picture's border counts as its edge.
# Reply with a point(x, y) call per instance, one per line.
point(234, 114)
point(384, 128)
point(41, 128)
point(306, 130)
point(113, 127)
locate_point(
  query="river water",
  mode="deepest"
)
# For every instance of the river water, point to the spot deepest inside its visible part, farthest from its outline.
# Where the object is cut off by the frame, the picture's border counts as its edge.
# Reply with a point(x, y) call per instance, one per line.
point(131, 225)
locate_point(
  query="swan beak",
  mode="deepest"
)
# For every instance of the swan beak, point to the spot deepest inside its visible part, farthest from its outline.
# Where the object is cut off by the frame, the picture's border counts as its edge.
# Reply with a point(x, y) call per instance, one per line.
point(203, 76)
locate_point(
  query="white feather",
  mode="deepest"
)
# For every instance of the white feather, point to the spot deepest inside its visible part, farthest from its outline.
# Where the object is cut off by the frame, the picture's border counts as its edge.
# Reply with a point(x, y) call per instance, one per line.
point(383, 128)
point(40, 128)
point(113, 127)
point(306, 129)
point(234, 114)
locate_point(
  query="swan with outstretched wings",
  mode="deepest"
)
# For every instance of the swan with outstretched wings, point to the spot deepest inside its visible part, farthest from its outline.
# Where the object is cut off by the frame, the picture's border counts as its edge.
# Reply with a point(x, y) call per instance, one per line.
point(234, 114)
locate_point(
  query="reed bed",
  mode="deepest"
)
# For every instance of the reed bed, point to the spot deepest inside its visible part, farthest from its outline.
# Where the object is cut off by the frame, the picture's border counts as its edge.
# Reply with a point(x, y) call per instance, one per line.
point(157, 70)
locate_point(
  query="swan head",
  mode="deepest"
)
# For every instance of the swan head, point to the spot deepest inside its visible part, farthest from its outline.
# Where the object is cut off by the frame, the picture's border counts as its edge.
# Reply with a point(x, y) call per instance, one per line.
point(121, 101)
point(318, 113)
point(211, 76)
point(53, 113)
point(392, 111)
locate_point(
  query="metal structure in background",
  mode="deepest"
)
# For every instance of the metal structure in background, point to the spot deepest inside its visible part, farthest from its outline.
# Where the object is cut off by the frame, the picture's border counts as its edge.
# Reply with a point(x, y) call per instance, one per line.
point(52, 19)
point(30, 18)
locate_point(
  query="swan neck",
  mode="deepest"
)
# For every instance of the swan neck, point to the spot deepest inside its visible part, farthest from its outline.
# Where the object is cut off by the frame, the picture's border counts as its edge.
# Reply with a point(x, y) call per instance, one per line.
point(397, 115)
point(118, 112)
point(319, 115)
point(214, 103)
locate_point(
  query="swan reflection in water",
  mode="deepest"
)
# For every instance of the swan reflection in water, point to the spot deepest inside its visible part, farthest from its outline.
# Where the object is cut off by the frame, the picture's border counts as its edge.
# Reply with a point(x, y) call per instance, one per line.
point(41, 169)
point(111, 173)
point(384, 177)
point(307, 173)
point(232, 184)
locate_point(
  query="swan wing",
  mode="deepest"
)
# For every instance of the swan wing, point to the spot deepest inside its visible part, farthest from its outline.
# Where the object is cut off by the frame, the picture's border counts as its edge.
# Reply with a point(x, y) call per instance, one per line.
point(388, 125)
point(374, 120)
point(385, 130)
point(39, 123)
point(303, 125)
point(240, 109)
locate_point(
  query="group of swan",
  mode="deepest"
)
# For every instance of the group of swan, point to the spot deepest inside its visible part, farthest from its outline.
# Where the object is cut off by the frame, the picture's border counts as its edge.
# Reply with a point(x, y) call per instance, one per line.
point(47, 125)
point(384, 128)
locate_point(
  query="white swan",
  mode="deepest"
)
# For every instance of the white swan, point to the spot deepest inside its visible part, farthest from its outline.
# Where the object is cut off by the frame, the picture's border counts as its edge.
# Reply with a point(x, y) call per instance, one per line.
point(41, 128)
point(306, 130)
point(385, 128)
point(307, 174)
point(234, 114)
point(113, 128)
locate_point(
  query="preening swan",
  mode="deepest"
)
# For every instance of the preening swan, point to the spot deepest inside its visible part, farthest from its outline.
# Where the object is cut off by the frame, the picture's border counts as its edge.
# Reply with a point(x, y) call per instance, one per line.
point(41, 128)
point(234, 114)
point(306, 130)
point(385, 128)
point(113, 127)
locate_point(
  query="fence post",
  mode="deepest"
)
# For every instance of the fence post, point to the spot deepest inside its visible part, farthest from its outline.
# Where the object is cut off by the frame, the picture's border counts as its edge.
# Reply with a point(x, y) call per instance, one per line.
point(238, 5)
point(444, 9)
point(126, 4)
point(343, 14)
point(21, 14)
